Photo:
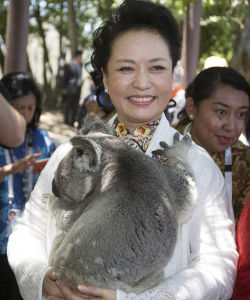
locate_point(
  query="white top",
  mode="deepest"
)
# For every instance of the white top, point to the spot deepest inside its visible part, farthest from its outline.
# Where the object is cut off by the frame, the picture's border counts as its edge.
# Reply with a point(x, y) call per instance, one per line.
point(203, 265)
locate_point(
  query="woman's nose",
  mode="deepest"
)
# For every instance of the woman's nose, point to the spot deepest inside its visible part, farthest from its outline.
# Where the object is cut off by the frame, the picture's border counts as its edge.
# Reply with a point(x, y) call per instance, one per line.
point(142, 80)
point(230, 123)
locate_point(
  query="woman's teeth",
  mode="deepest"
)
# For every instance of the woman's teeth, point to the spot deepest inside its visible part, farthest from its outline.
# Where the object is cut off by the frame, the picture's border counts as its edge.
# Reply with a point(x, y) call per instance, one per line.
point(141, 99)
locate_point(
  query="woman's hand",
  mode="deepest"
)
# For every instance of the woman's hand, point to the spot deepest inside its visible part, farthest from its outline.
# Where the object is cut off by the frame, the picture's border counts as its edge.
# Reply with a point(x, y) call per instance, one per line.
point(94, 292)
point(18, 166)
point(85, 292)
point(50, 288)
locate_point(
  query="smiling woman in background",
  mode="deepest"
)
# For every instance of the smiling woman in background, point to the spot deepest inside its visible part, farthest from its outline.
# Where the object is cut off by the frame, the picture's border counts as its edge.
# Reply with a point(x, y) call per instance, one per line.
point(217, 109)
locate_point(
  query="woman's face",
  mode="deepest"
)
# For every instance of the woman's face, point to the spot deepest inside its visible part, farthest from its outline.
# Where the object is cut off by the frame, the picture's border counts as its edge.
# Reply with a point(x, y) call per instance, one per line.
point(220, 120)
point(139, 77)
point(26, 106)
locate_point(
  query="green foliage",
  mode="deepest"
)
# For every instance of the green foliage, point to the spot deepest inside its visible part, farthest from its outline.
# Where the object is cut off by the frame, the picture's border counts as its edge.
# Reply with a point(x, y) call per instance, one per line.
point(221, 25)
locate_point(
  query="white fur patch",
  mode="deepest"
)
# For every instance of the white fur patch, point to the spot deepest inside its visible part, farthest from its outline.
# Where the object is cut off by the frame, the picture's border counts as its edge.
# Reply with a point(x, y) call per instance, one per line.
point(107, 177)
point(98, 260)
point(88, 186)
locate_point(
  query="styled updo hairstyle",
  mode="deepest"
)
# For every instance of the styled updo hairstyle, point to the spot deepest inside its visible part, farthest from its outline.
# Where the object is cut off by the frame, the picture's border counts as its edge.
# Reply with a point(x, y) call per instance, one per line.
point(206, 82)
point(19, 84)
point(135, 15)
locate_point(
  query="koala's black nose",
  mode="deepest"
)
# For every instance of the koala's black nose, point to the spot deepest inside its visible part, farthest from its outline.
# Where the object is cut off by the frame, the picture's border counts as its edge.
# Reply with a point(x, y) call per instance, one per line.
point(54, 189)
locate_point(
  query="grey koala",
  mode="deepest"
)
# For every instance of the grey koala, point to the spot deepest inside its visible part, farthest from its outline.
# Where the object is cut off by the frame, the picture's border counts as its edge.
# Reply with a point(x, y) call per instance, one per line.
point(117, 210)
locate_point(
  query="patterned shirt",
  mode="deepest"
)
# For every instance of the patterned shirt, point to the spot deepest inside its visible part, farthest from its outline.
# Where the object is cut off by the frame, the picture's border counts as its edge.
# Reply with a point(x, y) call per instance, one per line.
point(140, 138)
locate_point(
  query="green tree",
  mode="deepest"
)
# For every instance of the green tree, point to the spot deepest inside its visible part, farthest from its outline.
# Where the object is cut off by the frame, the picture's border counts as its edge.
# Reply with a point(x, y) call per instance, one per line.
point(222, 26)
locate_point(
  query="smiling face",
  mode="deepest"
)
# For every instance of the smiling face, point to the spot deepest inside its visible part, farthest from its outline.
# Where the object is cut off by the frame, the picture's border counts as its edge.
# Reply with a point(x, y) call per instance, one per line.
point(139, 77)
point(26, 106)
point(219, 120)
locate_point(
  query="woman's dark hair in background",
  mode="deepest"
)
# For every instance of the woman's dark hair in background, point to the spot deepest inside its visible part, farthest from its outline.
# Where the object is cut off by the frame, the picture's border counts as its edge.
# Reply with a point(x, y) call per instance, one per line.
point(135, 15)
point(248, 127)
point(21, 84)
point(207, 81)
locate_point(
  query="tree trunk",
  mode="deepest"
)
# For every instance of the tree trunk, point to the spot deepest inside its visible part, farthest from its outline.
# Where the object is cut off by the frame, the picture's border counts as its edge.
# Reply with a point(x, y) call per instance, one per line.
point(17, 36)
point(191, 41)
point(245, 57)
point(241, 53)
point(73, 28)
point(46, 61)
point(61, 61)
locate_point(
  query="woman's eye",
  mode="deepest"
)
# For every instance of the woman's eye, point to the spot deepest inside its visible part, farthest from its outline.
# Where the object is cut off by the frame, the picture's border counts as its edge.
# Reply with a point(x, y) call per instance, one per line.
point(125, 69)
point(221, 112)
point(158, 68)
point(242, 115)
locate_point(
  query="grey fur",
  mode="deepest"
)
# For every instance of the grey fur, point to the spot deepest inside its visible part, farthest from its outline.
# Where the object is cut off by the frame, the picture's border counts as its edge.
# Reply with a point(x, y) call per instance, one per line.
point(118, 210)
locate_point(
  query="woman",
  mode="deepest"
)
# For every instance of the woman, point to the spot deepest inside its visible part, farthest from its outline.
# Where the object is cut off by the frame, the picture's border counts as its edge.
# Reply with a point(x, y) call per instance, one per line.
point(16, 172)
point(136, 51)
point(217, 108)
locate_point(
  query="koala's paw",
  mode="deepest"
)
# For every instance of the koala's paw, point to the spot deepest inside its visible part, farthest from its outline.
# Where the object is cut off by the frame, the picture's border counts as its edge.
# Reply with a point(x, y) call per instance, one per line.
point(178, 145)
point(186, 141)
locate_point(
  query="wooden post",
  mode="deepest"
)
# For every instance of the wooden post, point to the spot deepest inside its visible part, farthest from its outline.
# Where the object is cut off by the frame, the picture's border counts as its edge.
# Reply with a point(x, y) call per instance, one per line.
point(191, 42)
point(17, 36)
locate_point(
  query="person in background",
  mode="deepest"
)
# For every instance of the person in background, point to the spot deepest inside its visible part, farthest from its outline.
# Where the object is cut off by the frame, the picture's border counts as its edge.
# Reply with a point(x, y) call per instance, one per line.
point(215, 61)
point(16, 168)
point(216, 112)
point(71, 90)
point(136, 51)
point(12, 124)
point(242, 286)
point(178, 95)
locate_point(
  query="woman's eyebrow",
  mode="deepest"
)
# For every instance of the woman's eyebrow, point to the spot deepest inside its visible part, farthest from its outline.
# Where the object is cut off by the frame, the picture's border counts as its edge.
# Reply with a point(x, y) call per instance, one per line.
point(126, 60)
point(158, 59)
point(226, 105)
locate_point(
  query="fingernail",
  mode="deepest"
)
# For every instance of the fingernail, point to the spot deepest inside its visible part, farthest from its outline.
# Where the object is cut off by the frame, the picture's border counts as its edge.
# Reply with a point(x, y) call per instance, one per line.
point(82, 288)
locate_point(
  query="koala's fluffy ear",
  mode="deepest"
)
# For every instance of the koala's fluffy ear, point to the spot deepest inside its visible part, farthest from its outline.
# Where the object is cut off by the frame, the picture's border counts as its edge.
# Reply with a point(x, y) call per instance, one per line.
point(86, 153)
point(93, 123)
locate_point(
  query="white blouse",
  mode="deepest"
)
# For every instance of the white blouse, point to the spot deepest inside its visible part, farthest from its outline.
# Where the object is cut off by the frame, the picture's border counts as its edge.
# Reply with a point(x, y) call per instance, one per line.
point(203, 265)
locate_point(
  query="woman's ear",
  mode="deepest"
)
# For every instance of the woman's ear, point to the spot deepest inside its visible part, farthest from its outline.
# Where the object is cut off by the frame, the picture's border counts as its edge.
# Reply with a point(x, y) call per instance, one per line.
point(105, 80)
point(190, 108)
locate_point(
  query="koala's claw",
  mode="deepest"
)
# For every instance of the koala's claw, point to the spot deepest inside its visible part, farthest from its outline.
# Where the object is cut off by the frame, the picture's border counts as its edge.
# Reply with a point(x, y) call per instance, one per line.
point(185, 141)
point(187, 138)
point(158, 152)
point(176, 137)
point(161, 152)
point(164, 145)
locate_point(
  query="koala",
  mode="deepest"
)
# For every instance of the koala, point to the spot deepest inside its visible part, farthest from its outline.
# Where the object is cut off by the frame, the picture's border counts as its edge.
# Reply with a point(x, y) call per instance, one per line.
point(118, 210)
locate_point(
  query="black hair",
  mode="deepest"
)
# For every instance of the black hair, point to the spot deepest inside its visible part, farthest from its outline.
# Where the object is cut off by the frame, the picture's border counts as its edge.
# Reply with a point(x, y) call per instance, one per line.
point(206, 82)
point(138, 15)
point(5, 92)
point(19, 84)
point(78, 52)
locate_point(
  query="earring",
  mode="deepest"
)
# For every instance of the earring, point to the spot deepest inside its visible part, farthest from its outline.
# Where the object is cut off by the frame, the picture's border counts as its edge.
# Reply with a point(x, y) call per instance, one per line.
point(106, 90)
point(191, 117)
